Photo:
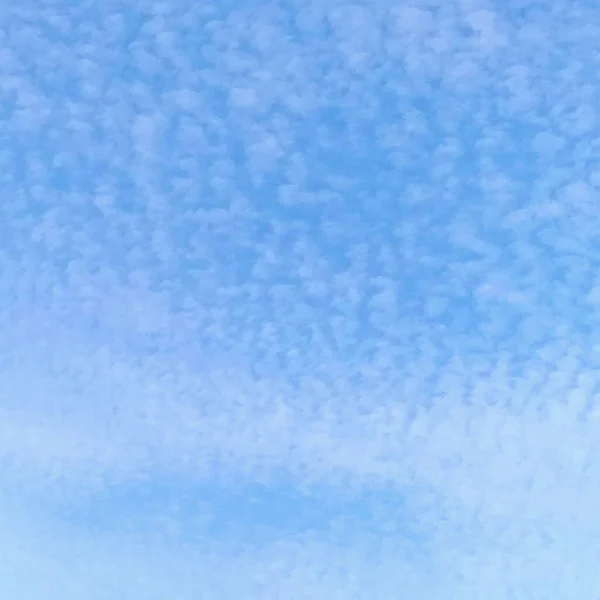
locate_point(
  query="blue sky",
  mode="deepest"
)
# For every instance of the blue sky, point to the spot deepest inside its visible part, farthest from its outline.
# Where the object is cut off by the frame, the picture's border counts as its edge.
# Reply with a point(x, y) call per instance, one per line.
point(299, 300)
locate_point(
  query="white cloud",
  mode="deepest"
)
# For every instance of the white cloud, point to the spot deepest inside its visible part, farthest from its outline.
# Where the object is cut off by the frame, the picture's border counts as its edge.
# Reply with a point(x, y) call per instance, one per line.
point(351, 245)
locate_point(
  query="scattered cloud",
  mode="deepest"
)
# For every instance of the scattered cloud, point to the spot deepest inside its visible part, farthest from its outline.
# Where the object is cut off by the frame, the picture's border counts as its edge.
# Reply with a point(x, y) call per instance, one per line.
point(343, 250)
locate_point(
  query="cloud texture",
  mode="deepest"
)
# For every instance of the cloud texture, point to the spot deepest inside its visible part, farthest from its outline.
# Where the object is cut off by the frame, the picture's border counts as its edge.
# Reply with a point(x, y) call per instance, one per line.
point(299, 299)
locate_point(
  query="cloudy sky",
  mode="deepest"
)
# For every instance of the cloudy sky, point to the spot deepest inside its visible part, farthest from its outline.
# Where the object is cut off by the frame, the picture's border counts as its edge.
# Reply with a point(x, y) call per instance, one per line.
point(299, 299)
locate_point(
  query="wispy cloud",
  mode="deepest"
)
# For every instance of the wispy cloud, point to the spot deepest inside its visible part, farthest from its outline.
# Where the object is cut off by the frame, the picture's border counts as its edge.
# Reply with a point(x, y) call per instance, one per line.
point(347, 251)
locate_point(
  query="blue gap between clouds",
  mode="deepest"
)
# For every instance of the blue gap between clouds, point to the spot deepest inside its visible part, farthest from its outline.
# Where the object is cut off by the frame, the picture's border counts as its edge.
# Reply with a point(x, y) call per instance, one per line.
point(245, 511)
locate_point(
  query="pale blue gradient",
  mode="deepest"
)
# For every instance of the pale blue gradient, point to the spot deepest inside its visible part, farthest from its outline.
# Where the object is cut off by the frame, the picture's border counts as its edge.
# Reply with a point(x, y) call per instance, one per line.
point(299, 300)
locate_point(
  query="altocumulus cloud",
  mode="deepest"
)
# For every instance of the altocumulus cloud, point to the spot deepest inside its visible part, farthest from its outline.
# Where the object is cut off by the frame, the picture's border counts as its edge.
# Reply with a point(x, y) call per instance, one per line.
point(299, 299)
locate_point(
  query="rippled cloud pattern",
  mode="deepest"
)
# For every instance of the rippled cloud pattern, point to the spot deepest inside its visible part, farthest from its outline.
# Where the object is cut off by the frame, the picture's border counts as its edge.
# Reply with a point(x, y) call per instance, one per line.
point(299, 299)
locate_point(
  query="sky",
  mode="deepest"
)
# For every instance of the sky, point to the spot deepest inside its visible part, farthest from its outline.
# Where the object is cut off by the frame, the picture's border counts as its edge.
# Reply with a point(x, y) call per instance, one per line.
point(299, 299)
